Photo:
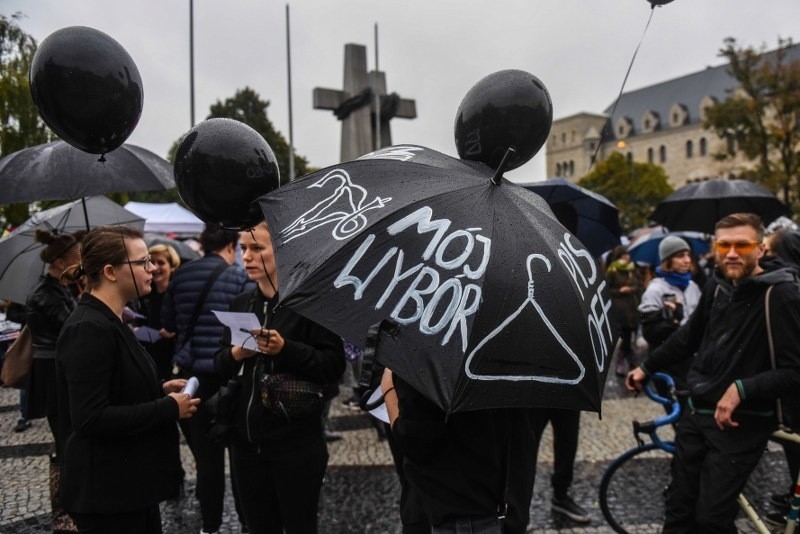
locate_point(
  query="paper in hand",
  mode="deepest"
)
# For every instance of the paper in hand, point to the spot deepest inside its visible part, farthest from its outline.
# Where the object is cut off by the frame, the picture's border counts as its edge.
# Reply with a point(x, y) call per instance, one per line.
point(145, 334)
point(236, 322)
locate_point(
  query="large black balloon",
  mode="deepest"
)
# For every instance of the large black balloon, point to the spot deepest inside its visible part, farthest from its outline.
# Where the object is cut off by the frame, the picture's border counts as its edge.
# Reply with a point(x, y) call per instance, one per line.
point(221, 167)
point(510, 108)
point(87, 88)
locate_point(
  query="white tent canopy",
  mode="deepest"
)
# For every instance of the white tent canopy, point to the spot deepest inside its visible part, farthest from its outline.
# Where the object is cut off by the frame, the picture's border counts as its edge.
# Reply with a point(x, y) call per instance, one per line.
point(166, 218)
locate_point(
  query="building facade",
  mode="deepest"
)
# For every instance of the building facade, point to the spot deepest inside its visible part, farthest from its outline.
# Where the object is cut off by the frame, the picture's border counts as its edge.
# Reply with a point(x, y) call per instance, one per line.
point(661, 124)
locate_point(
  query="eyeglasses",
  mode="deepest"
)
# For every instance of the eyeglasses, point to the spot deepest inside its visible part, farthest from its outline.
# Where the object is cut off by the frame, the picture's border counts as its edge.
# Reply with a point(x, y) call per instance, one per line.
point(147, 262)
point(741, 247)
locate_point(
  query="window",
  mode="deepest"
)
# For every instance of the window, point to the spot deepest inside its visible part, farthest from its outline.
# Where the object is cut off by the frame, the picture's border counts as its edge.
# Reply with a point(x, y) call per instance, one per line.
point(564, 138)
point(558, 169)
point(592, 146)
point(573, 136)
point(731, 143)
point(703, 146)
point(689, 149)
point(647, 124)
point(650, 155)
point(571, 168)
point(662, 154)
point(675, 118)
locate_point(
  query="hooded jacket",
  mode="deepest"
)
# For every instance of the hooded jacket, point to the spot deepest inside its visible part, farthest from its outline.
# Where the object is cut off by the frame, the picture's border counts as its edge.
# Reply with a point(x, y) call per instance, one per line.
point(726, 338)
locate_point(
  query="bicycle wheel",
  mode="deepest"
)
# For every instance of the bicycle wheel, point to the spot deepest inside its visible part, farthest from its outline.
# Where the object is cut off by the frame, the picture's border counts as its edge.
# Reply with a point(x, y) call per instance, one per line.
point(633, 489)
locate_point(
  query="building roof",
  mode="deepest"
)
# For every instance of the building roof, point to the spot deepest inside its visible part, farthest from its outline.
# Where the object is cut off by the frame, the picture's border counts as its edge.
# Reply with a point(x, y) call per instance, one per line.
point(688, 90)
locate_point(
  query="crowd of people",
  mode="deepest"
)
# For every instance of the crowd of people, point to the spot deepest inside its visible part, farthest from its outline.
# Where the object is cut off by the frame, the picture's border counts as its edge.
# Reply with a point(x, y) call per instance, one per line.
point(114, 403)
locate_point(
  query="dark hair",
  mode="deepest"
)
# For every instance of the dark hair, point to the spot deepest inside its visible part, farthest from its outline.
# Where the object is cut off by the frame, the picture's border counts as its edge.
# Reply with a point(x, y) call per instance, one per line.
point(214, 238)
point(785, 244)
point(105, 245)
point(616, 253)
point(57, 243)
point(743, 219)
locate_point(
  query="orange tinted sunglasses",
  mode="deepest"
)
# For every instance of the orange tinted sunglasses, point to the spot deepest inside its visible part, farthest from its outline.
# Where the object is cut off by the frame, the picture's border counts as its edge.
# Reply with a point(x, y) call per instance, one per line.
point(741, 247)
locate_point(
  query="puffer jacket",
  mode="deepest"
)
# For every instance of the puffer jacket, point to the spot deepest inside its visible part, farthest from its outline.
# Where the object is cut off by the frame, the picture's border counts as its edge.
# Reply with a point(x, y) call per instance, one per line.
point(727, 336)
point(181, 298)
point(46, 310)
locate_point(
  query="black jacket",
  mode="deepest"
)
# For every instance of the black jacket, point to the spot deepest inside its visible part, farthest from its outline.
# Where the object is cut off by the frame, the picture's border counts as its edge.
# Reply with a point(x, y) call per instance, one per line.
point(46, 309)
point(311, 352)
point(727, 336)
point(121, 440)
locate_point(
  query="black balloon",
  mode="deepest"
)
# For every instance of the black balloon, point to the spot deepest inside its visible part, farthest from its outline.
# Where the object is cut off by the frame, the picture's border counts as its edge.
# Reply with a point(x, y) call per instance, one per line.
point(510, 108)
point(87, 88)
point(221, 167)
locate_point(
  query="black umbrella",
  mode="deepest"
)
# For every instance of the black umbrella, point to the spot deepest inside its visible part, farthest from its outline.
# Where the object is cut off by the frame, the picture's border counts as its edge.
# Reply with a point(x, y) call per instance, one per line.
point(699, 205)
point(497, 304)
point(58, 171)
point(20, 264)
point(590, 216)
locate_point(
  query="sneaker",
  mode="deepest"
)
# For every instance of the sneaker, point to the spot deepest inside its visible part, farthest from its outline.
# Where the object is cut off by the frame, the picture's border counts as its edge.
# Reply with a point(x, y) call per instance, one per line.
point(781, 501)
point(568, 507)
point(22, 425)
point(775, 519)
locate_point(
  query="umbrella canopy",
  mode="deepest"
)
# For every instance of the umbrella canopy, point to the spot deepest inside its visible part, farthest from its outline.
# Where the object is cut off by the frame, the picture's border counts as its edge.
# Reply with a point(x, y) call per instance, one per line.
point(698, 206)
point(496, 303)
point(644, 249)
point(590, 216)
point(20, 264)
point(58, 171)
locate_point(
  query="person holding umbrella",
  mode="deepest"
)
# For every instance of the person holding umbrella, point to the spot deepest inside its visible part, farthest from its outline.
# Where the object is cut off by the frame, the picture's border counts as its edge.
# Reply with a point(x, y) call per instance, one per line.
point(278, 449)
point(117, 420)
point(46, 310)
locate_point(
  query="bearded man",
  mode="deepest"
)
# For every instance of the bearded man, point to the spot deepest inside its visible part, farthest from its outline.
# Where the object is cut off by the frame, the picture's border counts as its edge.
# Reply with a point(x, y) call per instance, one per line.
point(732, 382)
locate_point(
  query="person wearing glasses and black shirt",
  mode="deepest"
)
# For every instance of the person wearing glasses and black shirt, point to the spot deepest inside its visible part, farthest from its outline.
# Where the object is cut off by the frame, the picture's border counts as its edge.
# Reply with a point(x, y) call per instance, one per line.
point(116, 418)
point(732, 383)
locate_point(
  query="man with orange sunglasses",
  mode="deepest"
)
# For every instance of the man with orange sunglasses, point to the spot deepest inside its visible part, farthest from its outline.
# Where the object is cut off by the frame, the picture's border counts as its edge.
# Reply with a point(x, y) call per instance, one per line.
point(733, 385)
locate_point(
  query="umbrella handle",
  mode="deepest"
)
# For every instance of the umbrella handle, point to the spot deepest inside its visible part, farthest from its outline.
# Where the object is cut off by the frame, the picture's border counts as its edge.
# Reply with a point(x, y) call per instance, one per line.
point(498, 174)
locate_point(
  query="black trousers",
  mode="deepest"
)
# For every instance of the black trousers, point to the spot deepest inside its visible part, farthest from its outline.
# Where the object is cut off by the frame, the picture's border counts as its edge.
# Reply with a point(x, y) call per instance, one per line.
point(566, 426)
point(209, 458)
point(709, 470)
point(279, 491)
point(146, 521)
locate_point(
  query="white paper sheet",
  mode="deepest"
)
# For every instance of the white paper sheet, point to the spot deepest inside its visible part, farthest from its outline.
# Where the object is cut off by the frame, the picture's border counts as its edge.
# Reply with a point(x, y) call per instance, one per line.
point(379, 412)
point(236, 322)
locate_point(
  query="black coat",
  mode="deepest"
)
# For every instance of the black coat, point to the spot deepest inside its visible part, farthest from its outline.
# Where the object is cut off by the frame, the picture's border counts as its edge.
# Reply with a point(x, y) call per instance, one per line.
point(726, 338)
point(121, 440)
point(311, 352)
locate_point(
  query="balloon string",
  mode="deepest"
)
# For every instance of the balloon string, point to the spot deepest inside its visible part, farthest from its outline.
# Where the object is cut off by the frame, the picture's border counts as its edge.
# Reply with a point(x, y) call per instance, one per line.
point(621, 89)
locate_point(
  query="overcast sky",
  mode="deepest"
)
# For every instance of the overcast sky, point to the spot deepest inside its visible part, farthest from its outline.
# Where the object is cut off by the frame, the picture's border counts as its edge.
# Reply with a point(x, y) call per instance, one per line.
point(432, 51)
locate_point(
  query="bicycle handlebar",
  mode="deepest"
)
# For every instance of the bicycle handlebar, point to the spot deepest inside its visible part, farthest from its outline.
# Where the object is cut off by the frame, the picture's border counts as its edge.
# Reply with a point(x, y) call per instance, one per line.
point(651, 427)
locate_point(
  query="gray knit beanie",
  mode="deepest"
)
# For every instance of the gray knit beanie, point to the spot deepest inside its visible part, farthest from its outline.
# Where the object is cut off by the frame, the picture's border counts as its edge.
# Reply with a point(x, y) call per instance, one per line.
point(670, 245)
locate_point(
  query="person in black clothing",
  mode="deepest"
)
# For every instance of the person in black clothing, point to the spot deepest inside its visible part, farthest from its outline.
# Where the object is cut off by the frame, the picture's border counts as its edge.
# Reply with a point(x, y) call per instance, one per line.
point(116, 419)
point(473, 470)
point(46, 310)
point(162, 349)
point(279, 455)
point(733, 385)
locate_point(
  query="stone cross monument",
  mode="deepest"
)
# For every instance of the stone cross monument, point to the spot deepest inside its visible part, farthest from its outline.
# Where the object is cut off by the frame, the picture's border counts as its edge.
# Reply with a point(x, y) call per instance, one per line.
point(354, 105)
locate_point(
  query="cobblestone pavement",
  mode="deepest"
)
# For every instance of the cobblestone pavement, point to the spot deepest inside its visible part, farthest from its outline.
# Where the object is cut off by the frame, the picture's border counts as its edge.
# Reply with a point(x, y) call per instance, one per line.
point(361, 489)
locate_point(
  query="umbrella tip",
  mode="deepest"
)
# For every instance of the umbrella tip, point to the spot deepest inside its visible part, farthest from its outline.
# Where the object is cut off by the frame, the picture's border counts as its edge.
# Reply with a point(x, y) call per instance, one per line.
point(102, 158)
point(498, 173)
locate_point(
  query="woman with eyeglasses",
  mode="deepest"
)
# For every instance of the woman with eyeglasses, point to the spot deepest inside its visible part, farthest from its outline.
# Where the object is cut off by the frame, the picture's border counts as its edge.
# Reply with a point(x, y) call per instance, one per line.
point(117, 418)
